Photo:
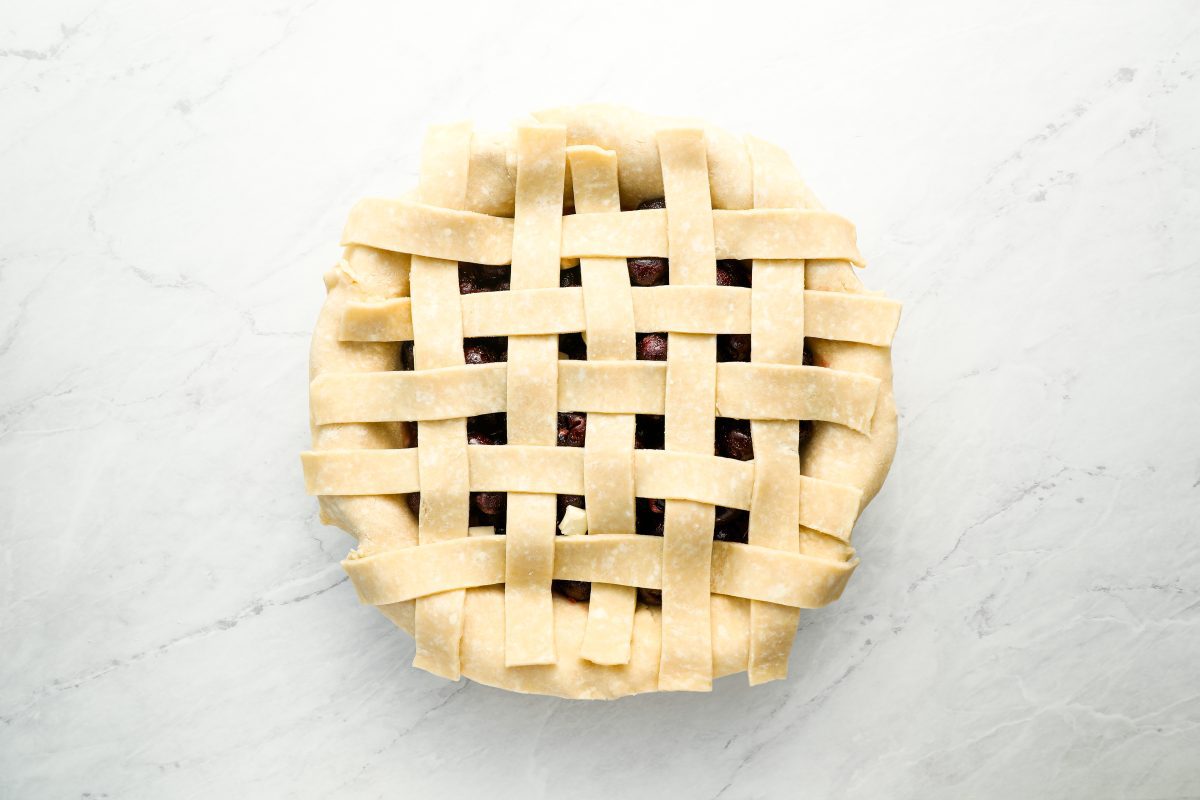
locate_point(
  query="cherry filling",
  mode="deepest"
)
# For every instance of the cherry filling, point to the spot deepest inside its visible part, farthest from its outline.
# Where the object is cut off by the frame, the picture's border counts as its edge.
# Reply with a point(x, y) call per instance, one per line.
point(485, 350)
point(648, 271)
point(473, 278)
point(733, 439)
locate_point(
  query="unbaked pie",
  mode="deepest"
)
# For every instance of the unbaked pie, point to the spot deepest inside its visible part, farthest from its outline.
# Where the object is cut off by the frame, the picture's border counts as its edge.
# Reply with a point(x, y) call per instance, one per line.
point(601, 401)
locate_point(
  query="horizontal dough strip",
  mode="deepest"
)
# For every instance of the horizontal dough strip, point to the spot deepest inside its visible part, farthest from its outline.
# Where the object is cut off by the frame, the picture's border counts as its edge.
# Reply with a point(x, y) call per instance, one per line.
point(738, 570)
point(839, 316)
point(612, 387)
point(785, 391)
point(744, 391)
point(394, 396)
point(406, 226)
point(824, 506)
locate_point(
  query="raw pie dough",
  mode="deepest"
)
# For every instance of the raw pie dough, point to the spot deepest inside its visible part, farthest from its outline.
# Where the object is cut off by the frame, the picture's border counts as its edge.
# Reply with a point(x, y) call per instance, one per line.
point(481, 605)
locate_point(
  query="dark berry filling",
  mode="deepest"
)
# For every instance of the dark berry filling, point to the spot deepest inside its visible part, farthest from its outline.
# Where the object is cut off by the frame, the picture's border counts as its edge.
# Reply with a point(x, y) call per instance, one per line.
point(490, 504)
point(493, 426)
point(732, 273)
point(577, 591)
point(652, 347)
point(571, 276)
point(572, 346)
point(572, 429)
point(733, 529)
point(649, 432)
point(649, 597)
point(649, 515)
point(648, 271)
point(473, 278)
point(485, 350)
point(733, 347)
point(734, 439)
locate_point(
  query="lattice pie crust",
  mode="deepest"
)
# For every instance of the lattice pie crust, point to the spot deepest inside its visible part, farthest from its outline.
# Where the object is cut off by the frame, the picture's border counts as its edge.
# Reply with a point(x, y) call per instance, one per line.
point(481, 605)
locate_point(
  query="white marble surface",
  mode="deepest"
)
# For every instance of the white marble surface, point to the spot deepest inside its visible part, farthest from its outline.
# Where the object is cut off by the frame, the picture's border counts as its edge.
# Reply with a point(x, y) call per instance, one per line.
point(173, 179)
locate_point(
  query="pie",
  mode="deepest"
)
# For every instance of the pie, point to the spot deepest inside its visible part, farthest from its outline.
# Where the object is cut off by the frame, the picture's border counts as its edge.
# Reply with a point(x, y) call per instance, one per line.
point(601, 401)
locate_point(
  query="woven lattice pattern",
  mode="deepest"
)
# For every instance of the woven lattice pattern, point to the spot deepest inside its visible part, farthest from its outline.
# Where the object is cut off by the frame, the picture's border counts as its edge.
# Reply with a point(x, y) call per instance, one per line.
point(797, 554)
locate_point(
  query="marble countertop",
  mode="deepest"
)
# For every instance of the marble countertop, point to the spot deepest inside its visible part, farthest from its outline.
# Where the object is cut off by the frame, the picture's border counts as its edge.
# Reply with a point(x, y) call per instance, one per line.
point(173, 180)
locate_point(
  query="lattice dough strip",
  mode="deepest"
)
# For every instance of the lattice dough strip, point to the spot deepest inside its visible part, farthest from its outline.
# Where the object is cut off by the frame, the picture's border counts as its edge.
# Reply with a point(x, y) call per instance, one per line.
point(778, 322)
point(442, 443)
point(737, 570)
point(743, 390)
point(608, 446)
point(406, 226)
point(683, 309)
point(532, 396)
point(689, 418)
point(824, 505)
